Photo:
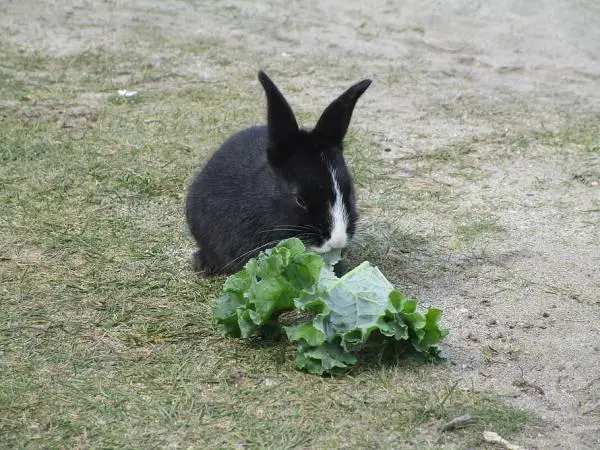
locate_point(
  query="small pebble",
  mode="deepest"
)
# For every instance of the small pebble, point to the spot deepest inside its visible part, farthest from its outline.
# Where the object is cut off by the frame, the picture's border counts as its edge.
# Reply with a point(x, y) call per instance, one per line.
point(472, 337)
point(269, 382)
point(545, 314)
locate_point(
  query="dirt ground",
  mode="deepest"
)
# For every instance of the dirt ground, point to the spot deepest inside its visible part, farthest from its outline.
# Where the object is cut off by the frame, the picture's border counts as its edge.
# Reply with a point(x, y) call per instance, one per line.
point(526, 315)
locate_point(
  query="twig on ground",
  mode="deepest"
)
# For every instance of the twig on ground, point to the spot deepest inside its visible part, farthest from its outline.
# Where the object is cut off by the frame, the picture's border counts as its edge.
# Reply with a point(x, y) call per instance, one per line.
point(457, 422)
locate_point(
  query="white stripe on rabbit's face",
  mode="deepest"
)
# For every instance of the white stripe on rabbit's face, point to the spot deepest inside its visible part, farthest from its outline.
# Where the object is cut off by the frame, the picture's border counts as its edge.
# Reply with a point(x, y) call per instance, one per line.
point(339, 220)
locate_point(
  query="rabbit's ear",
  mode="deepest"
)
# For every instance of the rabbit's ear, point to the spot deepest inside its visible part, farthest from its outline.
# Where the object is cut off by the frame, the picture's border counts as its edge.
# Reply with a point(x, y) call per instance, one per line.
point(334, 121)
point(281, 121)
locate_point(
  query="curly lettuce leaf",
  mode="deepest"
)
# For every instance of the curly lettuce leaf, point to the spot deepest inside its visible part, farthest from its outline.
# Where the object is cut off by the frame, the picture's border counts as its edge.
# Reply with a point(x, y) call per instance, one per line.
point(328, 357)
point(350, 309)
point(268, 284)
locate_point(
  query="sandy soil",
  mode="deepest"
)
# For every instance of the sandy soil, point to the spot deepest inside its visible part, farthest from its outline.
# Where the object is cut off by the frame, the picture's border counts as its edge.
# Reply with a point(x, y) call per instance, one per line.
point(526, 318)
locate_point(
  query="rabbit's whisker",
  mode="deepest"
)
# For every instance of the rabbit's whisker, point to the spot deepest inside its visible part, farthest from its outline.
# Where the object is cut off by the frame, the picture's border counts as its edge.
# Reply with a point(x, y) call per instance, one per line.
point(283, 227)
point(287, 229)
point(260, 247)
point(305, 227)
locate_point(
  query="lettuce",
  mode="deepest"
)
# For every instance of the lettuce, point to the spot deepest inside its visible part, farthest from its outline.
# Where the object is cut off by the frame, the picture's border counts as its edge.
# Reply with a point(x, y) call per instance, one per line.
point(268, 284)
point(348, 313)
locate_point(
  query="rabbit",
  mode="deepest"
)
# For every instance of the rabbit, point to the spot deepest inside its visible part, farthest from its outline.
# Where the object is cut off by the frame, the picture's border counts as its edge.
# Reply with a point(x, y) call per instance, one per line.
point(269, 183)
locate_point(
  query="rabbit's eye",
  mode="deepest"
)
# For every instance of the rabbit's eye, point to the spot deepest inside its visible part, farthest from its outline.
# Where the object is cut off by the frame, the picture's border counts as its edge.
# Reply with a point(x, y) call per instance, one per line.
point(301, 203)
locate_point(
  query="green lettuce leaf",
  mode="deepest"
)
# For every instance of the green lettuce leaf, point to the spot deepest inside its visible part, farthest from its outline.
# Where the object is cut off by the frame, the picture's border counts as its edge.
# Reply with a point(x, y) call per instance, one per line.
point(328, 357)
point(268, 284)
point(350, 309)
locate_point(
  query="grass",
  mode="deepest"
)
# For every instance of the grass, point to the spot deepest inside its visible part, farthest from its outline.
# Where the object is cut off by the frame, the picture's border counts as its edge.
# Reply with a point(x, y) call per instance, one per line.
point(467, 233)
point(106, 336)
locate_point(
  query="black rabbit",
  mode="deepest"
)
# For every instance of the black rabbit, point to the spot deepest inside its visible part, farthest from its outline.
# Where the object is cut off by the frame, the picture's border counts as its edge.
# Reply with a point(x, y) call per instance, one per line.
point(268, 183)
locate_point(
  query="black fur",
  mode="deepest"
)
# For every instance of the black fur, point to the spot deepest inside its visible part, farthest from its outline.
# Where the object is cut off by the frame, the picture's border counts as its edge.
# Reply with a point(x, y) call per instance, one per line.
point(271, 182)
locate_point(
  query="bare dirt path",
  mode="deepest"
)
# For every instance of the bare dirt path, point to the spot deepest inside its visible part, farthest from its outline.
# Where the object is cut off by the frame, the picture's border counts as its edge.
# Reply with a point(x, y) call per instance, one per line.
point(511, 81)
